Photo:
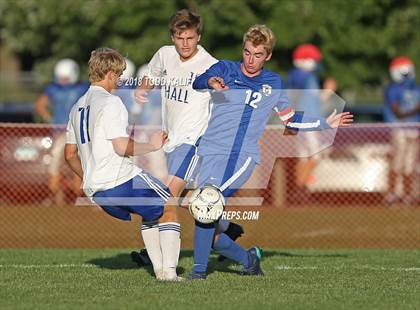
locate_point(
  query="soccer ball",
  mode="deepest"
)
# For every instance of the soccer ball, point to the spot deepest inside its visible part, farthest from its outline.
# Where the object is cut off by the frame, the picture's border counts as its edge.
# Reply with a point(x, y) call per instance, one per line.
point(206, 204)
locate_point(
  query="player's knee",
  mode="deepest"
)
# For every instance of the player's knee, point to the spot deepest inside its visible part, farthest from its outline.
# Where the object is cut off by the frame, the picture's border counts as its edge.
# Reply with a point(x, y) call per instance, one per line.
point(169, 214)
point(176, 186)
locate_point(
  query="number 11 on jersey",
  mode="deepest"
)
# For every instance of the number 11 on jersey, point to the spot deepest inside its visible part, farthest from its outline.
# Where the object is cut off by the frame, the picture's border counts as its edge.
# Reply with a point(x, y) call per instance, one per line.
point(84, 121)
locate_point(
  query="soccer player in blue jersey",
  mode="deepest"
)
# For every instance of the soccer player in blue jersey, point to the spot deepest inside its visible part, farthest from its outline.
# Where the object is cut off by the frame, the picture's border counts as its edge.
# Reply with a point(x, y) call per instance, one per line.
point(54, 106)
point(402, 99)
point(244, 98)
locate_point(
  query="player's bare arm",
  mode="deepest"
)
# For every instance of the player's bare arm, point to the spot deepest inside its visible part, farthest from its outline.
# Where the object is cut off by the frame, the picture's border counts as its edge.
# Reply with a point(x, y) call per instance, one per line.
point(41, 108)
point(72, 158)
point(128, 147)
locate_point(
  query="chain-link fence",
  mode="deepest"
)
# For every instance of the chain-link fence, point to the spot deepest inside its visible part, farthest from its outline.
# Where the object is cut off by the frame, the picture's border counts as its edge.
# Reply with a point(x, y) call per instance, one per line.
point(363, 191)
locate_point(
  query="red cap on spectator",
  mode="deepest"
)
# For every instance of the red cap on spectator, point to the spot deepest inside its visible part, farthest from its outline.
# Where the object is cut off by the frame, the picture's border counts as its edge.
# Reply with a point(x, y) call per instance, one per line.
point(307, 51)
point(400, 61)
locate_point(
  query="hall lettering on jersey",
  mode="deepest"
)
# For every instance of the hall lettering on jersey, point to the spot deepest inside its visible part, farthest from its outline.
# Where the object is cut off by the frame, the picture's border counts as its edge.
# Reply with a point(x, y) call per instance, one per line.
point(176, 94)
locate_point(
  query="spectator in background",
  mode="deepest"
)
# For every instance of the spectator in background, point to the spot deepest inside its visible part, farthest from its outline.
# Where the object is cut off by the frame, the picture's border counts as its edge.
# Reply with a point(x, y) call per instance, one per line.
point(306, 59)
point(54, 106)
point(402, 105)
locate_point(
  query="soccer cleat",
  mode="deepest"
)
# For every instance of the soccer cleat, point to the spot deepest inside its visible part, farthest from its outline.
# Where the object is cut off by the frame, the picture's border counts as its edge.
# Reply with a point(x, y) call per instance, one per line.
point(172, 279)
point(159, 275)
point(197, 276)
point(254, 269)
point(234, 231)
point(170, 276)
point(141, 258)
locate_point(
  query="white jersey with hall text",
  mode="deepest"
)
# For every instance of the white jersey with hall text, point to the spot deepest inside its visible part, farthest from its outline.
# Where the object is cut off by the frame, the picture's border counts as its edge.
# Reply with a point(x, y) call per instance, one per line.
point(96, 119)
point(185, 111)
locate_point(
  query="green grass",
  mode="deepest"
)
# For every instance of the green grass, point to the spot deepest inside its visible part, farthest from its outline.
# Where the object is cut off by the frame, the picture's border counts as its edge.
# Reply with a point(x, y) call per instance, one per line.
point(295, 279)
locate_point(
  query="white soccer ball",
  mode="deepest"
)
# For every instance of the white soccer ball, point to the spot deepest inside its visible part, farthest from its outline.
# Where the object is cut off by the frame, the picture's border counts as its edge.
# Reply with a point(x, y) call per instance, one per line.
point(206, 204)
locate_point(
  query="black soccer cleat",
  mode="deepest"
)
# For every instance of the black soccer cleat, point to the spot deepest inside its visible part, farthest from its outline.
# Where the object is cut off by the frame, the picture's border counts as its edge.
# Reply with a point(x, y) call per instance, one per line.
point(254, 268)
point(141, 258)
point(234, 231)
point(197, 276)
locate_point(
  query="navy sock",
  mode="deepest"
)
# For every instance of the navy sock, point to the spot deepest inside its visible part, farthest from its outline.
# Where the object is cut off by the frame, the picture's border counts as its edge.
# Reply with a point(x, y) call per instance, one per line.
point(229, 248)
point(203, 239)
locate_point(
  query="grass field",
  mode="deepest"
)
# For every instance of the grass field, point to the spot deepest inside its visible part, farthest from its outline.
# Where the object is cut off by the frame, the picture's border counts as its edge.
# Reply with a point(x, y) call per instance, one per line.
point(295, 279)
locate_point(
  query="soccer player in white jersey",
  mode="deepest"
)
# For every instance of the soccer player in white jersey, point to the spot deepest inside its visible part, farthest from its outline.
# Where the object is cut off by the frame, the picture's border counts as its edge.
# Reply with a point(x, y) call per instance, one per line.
point(98, 149)
point(186, 111)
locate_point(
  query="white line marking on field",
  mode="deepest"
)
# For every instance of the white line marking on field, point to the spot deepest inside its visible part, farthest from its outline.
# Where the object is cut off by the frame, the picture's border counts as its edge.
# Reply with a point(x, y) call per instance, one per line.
point(285, 267)
point(18, 266)
point(375, 268)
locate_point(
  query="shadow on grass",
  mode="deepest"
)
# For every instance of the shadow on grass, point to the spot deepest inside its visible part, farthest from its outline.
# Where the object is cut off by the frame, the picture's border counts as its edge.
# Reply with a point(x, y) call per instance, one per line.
point(123, 261)
point(302, 255)
point(119, 261)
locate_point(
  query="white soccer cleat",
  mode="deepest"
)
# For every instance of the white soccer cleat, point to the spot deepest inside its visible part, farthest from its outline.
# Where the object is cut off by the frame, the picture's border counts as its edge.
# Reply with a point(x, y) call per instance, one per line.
point(174, 279)
point(159, 275)
point(170, 276)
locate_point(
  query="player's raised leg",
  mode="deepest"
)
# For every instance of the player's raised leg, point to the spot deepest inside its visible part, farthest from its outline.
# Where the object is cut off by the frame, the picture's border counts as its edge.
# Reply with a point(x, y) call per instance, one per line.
point(152, 199)
point(228, 174)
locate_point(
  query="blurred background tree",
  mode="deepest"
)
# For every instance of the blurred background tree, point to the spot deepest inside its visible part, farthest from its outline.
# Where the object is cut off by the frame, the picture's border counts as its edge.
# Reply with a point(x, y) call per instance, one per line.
point(357, 38)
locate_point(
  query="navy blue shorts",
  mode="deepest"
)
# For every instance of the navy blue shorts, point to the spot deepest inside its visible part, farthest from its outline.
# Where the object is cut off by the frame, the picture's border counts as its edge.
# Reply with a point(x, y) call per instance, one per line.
point(143, 195)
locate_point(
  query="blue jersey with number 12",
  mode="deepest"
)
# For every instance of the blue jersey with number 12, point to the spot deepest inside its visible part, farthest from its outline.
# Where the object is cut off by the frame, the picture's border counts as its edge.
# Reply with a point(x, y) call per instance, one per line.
point(240, 114)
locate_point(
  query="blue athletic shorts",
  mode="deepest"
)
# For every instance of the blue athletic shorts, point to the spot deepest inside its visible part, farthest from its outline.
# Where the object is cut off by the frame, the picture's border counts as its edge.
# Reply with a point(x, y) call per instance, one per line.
point(143, 195)
point(182, 162)
point(228, 173)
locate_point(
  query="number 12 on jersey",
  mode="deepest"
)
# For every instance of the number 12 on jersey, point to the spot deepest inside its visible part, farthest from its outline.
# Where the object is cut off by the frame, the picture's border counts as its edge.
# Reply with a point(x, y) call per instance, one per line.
point(252, 98)
point(84, 121)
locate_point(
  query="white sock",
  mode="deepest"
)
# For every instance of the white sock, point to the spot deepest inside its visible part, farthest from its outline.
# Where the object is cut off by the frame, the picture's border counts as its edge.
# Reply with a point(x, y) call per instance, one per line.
point(170, 242)
point(151, 239)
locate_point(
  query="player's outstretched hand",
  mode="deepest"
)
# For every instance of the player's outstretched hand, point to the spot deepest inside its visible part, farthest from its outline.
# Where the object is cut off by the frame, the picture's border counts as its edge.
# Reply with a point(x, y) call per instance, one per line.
point(158, 139)
point(340, 120)
point(217, 83)
point(140, 95)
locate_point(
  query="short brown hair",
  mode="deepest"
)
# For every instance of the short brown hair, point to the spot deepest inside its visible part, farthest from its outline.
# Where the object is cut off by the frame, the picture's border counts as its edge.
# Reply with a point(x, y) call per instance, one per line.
point(102, 60)
point(260, 35)
point(184, 20)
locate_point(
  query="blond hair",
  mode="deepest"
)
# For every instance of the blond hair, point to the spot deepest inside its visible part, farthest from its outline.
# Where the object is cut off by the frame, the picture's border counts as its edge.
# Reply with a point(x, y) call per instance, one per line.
point(260, 35)
point(102, 60)
point(184, 20)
